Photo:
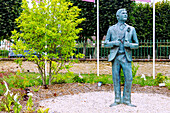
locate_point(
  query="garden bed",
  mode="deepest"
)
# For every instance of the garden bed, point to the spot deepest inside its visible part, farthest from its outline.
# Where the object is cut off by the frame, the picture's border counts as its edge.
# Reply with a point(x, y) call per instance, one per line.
point(76, 88)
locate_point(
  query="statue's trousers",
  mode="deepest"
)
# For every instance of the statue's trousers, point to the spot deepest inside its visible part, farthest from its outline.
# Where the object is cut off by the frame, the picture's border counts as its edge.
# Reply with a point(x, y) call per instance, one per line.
point(121, 62)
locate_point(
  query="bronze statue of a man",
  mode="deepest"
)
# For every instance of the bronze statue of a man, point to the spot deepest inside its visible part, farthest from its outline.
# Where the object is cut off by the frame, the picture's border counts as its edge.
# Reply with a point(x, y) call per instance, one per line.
point(122, 39)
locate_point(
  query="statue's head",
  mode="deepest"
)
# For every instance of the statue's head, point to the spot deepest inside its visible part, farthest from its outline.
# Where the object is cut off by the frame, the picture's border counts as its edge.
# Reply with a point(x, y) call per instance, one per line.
point(121, 15)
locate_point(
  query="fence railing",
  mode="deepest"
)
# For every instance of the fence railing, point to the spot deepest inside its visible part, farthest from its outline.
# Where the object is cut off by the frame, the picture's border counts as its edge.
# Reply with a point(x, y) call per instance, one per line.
point(145, 50)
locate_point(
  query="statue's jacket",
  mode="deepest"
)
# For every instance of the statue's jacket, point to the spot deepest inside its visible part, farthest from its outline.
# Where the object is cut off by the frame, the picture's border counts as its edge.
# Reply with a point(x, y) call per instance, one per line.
point(112, 38)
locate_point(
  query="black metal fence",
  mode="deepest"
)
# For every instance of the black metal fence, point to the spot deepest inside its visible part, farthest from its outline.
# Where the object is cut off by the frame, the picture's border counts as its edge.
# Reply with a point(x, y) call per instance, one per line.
point(145, 50)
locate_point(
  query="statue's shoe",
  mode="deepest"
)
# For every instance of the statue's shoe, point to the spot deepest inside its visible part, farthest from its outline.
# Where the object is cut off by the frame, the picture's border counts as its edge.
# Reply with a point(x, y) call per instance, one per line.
point(128, 104)
point(114, 104)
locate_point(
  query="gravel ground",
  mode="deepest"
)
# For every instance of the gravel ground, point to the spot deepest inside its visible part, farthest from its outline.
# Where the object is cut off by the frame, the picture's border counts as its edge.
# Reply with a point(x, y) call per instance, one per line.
point(99, 102)
point(70, 97)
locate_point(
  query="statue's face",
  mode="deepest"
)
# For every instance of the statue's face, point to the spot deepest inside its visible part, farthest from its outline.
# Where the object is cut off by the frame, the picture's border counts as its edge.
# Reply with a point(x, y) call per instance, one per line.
point(123, 16)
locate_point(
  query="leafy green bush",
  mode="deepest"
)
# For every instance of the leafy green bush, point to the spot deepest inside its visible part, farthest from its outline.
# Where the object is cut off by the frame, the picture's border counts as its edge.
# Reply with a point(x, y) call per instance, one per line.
point(78, 79)
point(160, 78)
point(48, 35)
point(62, 78)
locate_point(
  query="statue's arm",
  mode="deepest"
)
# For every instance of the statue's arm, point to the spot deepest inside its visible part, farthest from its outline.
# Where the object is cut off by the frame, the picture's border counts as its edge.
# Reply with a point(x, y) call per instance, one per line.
point(135, 44)
point(108, 43)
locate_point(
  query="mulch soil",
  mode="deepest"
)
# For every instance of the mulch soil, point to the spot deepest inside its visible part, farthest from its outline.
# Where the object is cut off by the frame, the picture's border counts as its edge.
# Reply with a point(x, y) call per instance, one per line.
point(76, 88)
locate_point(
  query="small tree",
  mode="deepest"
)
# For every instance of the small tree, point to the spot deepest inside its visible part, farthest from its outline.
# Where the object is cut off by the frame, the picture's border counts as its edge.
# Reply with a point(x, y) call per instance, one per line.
point(48, 27)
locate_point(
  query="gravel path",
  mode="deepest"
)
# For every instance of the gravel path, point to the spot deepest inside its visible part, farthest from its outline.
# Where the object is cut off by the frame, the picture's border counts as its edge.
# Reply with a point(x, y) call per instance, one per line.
point(98, 102)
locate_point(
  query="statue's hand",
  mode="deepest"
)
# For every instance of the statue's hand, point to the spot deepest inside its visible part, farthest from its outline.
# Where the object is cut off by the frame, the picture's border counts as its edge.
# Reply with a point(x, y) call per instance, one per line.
point(117, 43)
point(126, 44)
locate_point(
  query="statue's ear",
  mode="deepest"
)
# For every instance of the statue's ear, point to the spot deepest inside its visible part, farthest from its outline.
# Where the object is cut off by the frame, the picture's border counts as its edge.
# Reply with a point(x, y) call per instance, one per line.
point(117, 17)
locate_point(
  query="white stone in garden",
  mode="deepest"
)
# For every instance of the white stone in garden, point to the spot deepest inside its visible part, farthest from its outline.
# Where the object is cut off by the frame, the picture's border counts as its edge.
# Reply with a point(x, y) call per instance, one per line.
point(99, 84)
point(30, 94)
point(161, 84)
point(80, 75)
point(143, 76)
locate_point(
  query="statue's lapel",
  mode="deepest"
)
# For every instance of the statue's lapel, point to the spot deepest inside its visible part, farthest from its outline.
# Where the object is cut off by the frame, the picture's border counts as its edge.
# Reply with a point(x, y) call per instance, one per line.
point(115, 30)
point(125, 29)
point(127, 32)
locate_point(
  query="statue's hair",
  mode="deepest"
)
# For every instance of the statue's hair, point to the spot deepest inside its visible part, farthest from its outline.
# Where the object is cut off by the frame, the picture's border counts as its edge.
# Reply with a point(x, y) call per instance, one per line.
point(119, 11)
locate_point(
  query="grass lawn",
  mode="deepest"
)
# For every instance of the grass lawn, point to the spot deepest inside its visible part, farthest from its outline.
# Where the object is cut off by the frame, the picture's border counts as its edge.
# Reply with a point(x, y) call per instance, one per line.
point(23, 80)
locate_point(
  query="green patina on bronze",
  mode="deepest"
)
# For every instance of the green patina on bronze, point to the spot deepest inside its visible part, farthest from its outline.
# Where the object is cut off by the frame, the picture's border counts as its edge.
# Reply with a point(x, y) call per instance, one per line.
point(122, 38)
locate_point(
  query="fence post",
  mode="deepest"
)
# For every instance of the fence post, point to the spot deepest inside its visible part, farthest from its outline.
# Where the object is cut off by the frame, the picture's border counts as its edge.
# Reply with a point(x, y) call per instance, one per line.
point(148, 57)
point(157, 56)
point(151, 47)
point(140, 54)
point(90, 56)
point(164, 54)
point(167, 47)
point(104, 51)
point(160, 45)
point(147, 48)
point(144, 48)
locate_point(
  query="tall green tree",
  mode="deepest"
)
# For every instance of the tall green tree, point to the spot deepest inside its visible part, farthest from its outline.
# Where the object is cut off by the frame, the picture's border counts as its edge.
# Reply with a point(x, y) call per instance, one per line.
point(162, 21)
point(142, 19)
point(9, 11)
point(89, 25)
point(44, 27)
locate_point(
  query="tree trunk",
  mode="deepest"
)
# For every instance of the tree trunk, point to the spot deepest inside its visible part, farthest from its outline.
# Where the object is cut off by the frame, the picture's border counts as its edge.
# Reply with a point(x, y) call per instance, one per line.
point(50, 73)
point(41, 72)
point(44, 77)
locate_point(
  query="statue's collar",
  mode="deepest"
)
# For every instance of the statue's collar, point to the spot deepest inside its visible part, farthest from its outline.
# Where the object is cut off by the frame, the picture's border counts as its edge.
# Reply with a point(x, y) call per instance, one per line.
point(121, 24)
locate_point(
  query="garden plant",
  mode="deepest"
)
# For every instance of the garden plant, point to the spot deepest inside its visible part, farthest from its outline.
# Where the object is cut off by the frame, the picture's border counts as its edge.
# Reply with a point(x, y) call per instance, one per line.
point(50, 31)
